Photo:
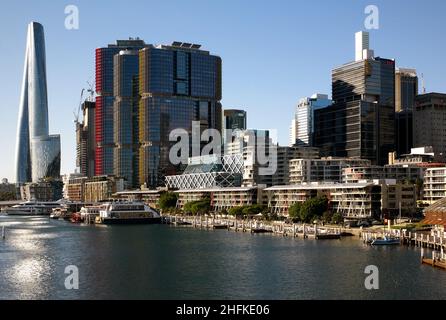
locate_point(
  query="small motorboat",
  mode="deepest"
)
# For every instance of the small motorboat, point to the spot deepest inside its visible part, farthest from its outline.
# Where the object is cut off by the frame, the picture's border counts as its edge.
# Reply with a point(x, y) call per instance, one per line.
point(385, 241)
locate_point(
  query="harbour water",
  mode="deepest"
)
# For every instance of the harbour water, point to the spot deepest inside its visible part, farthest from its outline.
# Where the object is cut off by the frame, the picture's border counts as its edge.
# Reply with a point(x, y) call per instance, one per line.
point(165, 262)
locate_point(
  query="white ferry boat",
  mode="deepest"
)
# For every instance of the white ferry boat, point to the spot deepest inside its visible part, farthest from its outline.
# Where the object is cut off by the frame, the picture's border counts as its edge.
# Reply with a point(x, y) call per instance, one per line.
point(31, 208)
point(89, 213)
point(127, 212)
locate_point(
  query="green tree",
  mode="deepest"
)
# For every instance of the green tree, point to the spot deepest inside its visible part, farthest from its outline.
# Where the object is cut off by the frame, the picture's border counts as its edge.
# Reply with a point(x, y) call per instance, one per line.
point(337, 218)
point(253, 209)
point(327, 217)
point(187, 208)
point(7, 196)
point(168, 201)
point(201, 207)
point(294, 211)
point(313, 208)
point(236, 211)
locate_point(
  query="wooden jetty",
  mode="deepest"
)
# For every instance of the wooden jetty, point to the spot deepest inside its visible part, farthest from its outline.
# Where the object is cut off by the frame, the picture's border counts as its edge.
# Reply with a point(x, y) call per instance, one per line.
point(432, 240)
point(256, 227)
point(438, 260)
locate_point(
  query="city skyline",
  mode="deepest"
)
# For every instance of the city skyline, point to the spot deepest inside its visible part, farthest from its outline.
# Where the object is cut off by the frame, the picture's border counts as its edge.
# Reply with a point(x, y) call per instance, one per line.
point(241, 86)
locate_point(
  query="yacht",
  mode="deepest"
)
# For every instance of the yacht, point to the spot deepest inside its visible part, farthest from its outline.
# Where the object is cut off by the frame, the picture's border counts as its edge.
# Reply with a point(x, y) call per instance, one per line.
point(127, 212)
point(31, 208)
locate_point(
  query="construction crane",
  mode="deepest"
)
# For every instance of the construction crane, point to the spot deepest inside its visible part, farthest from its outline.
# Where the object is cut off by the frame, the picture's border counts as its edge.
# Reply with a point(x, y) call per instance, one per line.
point(77, 112)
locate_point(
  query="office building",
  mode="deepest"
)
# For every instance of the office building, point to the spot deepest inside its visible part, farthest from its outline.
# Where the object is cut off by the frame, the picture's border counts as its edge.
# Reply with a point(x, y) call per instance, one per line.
point(406, 89)
point(104, 115)
point(179, 84)
point(37, 152)
point(360, 123)
point(429, 121)
point(125, 116)
point(302, 127)
point(233, 119)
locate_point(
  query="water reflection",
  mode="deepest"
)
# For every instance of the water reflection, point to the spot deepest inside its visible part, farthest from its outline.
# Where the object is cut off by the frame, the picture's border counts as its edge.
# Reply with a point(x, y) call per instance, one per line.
point(161, 262)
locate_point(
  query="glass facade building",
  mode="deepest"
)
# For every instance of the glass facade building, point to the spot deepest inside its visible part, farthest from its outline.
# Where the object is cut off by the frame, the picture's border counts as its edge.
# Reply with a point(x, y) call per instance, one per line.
point(304, 119)
point(125, 116)
point(406, 90)
point(37, 153)
point(104, 73)
point(178, 84)
point(233, 119)
point(361, 121)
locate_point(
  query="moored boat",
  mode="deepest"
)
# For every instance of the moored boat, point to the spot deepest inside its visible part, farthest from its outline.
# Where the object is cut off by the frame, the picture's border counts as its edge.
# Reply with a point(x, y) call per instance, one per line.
point(32, 208)
point(385, 241)
point(127, 212)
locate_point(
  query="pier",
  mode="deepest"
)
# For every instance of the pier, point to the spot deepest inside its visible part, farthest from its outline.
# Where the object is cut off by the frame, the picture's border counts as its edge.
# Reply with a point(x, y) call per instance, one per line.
point(253, 226)
point(434, 239)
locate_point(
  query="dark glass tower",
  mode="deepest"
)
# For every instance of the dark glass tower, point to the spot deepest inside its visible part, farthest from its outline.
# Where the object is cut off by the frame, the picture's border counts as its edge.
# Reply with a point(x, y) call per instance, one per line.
point(234, 119)
point(104, 102)
point(179, 83)
point(406, 89)
point(360, 123)
point(125, 116)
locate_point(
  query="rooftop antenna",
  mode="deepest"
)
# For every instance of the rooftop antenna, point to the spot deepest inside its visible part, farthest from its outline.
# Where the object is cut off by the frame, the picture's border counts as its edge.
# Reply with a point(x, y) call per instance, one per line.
point(423, 86)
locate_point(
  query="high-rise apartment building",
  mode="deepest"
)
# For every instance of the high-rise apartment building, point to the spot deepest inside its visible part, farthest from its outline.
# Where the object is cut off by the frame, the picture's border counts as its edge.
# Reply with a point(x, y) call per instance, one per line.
point(406, 89)
point(179, 84)
point(37, 152)
point(360, 123)
point(429, 121)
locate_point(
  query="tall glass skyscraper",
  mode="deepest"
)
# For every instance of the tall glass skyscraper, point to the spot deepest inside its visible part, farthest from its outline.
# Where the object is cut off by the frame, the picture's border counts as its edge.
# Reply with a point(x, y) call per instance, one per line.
point(104, 127)
point(406, 90)
point(303, 127)
point(360, 123)
point(37, 152)
point(125, 116)
point(178, 84)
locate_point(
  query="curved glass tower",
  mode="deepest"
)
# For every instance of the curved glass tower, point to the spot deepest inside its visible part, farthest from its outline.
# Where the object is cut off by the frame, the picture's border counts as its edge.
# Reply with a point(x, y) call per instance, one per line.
point(37, 153)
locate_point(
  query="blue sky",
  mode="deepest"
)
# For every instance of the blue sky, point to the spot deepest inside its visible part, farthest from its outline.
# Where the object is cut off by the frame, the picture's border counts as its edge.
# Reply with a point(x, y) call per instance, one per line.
point(274, 52)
